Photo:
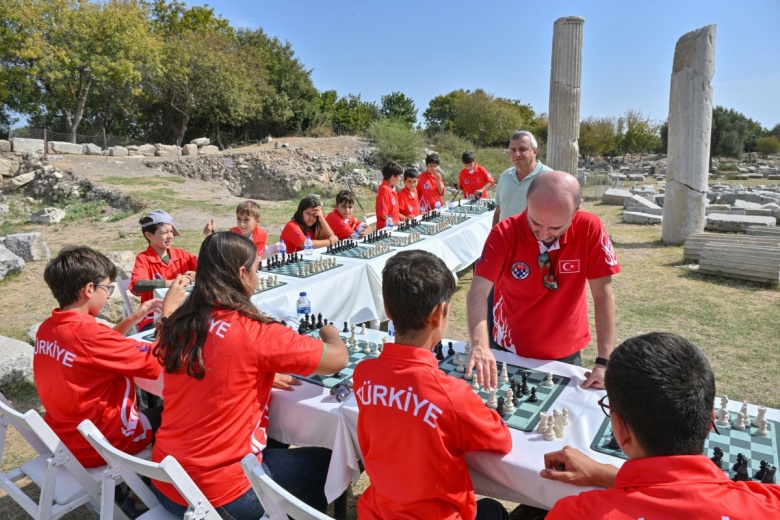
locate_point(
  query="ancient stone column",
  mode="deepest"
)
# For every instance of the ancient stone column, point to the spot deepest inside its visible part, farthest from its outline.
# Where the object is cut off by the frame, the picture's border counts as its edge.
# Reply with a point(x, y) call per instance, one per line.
point(563, 128)
point(690, 123)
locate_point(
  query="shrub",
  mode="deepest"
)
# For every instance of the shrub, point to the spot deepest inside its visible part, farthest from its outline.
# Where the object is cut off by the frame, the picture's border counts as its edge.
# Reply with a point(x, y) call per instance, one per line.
point(768, 145)
point(395, 141)
point(727, 167)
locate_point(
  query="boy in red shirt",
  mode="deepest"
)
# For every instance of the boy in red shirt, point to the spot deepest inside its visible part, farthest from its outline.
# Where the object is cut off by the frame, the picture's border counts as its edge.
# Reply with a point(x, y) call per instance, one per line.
point(341, 220)
point(247, 224)
point(84, 369)
point(403, 395)
point(408, 206)
point(160, 264)
point(473, 178)
point(430, 185)
point(660, 393)
point(386, 197)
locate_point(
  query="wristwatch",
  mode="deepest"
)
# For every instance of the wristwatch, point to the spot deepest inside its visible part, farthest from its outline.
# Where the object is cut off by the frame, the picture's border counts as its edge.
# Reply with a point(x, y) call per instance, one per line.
point(602, 361)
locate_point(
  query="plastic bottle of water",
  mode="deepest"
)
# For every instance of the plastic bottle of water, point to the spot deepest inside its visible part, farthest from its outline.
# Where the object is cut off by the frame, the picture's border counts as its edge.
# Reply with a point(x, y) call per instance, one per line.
point(359, 230)
point(308, 246)
point(438, 206)
point(390, 331)
point(281, 248)
point(303, 306)
point(389, 224)
point(451, 206)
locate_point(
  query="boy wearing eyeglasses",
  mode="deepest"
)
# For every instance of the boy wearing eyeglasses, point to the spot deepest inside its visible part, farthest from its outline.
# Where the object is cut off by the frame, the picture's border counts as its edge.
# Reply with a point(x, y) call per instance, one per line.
point(661, 391)
point(84, 369)
point(539, 263)
point(415, 423)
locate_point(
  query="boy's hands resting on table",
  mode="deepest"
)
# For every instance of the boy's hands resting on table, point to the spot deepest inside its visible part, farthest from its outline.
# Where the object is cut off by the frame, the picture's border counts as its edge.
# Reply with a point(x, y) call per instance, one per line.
point(572, 466)
point(285, 382)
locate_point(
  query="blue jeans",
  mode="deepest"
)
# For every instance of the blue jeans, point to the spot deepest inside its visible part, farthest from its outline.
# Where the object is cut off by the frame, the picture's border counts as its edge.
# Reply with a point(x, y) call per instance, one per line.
point(301, 471)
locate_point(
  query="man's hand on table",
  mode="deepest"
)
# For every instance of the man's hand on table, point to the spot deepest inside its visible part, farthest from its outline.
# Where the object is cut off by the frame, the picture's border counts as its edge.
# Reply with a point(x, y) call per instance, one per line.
point(484, 362)
point(285, 382)
point(595, 378)
point(571, 466)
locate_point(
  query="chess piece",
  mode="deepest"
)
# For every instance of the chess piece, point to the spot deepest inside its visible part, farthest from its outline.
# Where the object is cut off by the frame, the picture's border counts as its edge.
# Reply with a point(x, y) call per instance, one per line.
point(769, 478)
point(532, 398)
point(761, 414)
point(548, 380)
point(542, 422)
point(565, 417)
point(363, 329)
point(503, 377)
point(717, 457)
point(500, 406)
point(739, 423)
point(745, 413)
point(613, 443)
point(723, 417)
point(762, 431)
point(509, 407)
point(741, 467)
point(346, 327)
point(492, 402)
point(367, 349)
point(524, 388)
point(474, 383)
point(761, 473)
point(558, 427)
point(450, 350)
point(467, 375)
point(549, 430)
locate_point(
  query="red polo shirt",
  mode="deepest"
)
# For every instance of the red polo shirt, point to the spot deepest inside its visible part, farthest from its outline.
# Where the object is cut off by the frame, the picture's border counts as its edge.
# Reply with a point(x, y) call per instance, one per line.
point(530, 319)
point(672, 488)
point(293, 237)
point(415, 424)
point(471, 181)
point(259, 237)
point(342, 227)
point(428, 192)
point(210, 424)
point(386, 204)
point(149, 266)
point(84, 370)
point(408, 204)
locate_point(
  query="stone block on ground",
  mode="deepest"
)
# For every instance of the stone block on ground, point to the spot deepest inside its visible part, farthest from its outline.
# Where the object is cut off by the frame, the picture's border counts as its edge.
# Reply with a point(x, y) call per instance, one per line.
point(5, 146)
point(166, 149)
point(147, 150)
point(267, 139)
point(65, 148)
point(201, 141)
point(734, 223)
point(124, 262)
point(208, 150)
point(19, 181)
point(638, 202)
point(29, 246)
point(15, 361)
point(763, 231)
point(744, 262)
point(636, 217)
point(47, 216)
point(694, 244)
point(615, 197)
point(9, 263)
point(91, 149)
point(189, 149)
point(23, 145)
point(118, 151)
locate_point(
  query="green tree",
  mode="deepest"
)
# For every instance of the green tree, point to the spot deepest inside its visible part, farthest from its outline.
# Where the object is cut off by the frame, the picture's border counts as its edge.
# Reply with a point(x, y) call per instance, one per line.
point(641, 134)
point(775, 131)
point(56, 53)
point(768, 145)
point(598, 137)
point(732, 133)
point(175, 18)
point(396, 141)
point(485, 120)
point(440, 114)
point(352, 116)
point(398, 106)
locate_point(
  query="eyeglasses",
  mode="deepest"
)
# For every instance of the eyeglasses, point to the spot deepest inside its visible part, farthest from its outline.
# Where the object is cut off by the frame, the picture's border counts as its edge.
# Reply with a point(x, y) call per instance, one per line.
point(604, 404)
point(108, 287)
point(549, 279)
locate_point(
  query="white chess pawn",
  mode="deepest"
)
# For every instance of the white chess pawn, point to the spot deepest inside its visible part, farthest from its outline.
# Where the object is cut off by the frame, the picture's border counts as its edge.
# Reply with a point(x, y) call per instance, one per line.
point(492, 401)
point(461, 367)
point(474, 383)
point(504, 376)
point(549, 431)
point(509, 406)
point(548, 380)
point(367, 349)
point(762, 431)
point(558, 427)
point(759, 416)
point(363, 329)
point(723, 417)
point(565, 417)
point(542, 422)
point(739, 424)
point(467, 375)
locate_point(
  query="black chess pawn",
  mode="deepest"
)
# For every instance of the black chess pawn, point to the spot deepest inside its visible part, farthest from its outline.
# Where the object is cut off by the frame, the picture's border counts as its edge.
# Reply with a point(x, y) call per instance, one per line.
point(325, 322)
point(346, 327)
point(439, 351)
point(532, 398)
point(524, 388)
point(717, 457)
point(450, 350)
point(319, 321)
point(500, 406)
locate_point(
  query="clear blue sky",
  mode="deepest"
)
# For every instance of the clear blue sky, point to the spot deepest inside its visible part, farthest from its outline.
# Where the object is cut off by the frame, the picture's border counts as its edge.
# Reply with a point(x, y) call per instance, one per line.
point(427, 48)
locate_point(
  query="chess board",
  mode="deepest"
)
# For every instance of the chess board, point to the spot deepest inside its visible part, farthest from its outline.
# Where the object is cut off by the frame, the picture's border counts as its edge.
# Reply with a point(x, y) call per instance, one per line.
point(430, 230)
point(149, 336)
point(471, 210)
point(458, 218)
point(345, 374)
point(396, 241)
point(355, 252)
point(732, 441)
point(291, 270)
point(278, 284)
point(526, 416)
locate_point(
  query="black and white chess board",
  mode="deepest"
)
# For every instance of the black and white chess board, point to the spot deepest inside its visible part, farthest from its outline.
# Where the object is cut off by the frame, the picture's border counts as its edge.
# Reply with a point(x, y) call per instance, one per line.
point(296, 268)
point(731, 440)
point(364, 252)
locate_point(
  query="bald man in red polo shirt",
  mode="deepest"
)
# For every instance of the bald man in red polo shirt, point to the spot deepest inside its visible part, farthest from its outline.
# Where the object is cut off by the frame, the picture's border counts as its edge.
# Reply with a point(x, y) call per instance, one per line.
point(539, 263)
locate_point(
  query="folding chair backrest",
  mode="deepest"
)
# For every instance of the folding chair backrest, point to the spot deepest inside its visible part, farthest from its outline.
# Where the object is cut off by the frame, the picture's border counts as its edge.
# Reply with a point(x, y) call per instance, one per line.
point(273, 496)
point(127, 468)
point(64, 483)
point(123, 284)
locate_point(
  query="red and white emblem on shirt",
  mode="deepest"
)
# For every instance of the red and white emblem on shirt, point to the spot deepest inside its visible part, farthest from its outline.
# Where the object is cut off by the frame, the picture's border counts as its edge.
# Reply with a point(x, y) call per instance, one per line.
point(569, 266)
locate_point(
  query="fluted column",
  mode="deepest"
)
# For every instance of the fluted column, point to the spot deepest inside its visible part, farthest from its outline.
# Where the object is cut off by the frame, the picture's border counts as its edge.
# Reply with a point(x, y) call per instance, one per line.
point(690, 124)
point(563, 128)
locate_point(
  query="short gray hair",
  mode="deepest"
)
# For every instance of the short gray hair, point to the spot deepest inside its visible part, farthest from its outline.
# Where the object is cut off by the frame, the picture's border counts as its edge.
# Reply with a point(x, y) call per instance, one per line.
point(525, 133)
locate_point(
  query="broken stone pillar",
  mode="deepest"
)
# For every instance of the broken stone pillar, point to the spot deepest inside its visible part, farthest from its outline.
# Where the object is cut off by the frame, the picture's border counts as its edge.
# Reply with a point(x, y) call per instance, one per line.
point(563, 128)
point(690, 123)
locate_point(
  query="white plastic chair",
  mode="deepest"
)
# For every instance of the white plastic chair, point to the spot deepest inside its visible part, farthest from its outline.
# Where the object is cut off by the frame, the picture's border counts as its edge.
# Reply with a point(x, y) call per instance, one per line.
point(64, 483)
point(127, 468)
point(274, 497)
point(123, 284)
point(270, 250)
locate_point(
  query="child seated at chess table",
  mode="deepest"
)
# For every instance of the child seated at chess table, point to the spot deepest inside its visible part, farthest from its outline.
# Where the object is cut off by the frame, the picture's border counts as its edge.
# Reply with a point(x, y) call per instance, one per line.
point(247, 224)
point(309, 221)
point(415, 423)
point(220, 357)
point(341, 220)
point(660, 390)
